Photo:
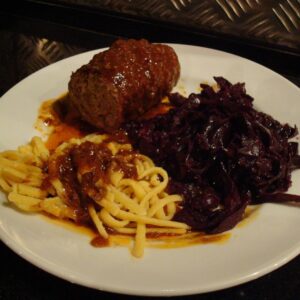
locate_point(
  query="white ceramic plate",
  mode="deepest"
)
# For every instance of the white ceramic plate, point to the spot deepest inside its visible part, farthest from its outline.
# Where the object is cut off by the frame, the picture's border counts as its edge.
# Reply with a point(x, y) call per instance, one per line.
point(266, 243)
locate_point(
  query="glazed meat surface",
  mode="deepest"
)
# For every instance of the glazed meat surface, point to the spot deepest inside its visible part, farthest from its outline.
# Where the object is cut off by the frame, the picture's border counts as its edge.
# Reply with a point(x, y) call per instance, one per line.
point(123, 82)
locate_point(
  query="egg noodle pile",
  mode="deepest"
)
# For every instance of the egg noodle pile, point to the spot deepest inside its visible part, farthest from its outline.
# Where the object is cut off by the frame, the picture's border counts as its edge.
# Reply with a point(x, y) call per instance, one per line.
point(136, 207)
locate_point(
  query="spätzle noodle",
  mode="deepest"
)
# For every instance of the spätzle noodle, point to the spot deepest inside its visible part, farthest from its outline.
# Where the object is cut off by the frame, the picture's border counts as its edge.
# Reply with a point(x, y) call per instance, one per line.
point(129, 198)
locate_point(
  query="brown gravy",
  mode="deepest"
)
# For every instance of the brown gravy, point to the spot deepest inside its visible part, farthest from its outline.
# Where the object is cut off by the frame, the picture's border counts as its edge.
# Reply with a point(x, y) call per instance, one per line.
point(65, 125)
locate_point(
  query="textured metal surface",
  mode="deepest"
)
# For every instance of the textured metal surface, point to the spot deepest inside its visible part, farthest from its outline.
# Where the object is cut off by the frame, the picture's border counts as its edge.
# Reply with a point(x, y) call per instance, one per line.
point(24, 55)
point(270, 21)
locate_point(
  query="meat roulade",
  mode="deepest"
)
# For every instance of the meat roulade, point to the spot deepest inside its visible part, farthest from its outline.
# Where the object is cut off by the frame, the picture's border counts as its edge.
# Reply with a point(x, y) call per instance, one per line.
point(123, 82)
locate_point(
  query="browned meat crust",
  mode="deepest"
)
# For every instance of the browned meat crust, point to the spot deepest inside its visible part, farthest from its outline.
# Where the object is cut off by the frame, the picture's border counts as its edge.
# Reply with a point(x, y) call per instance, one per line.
point(123, 82)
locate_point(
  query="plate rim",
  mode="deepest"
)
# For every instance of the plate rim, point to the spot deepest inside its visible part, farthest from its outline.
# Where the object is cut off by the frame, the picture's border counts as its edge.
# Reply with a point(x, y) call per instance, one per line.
point(12, 244)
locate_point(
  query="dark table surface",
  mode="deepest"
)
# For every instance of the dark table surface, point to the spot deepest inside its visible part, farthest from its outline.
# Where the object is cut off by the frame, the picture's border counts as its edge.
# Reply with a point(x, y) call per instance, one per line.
point(34, 35)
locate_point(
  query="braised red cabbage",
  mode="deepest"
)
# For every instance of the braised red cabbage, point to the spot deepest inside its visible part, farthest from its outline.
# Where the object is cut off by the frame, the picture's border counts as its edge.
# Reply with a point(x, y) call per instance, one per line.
point(221, 154)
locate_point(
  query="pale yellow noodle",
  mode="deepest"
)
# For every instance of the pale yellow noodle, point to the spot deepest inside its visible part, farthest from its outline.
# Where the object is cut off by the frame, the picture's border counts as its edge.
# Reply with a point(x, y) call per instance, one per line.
point(19, 165)
point(27, 190)
point(4, 184)
point(140, 240)
point(116, 178)
point(162, 203)
point(9, 173)
point(39, 148)
point(26, 203)
point(129, 206)
point(97, 221)
point(138, 189)
point(110, 221)
point(126, 201)
point(151, 221)
point(111, 207)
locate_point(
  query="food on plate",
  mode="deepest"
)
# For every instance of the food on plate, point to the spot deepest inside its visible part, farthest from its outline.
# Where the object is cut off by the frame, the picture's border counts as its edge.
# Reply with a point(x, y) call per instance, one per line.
point(190, 168)
point(123, 82)
point(93, 180)
point(220, 153)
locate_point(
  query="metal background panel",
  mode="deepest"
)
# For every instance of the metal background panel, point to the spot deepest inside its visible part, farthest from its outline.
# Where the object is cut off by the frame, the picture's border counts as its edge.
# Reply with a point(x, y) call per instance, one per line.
point(271, 21)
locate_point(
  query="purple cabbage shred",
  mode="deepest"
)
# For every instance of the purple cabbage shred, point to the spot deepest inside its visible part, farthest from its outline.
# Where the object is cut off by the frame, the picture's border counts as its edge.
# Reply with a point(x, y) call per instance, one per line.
point(221, 154)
